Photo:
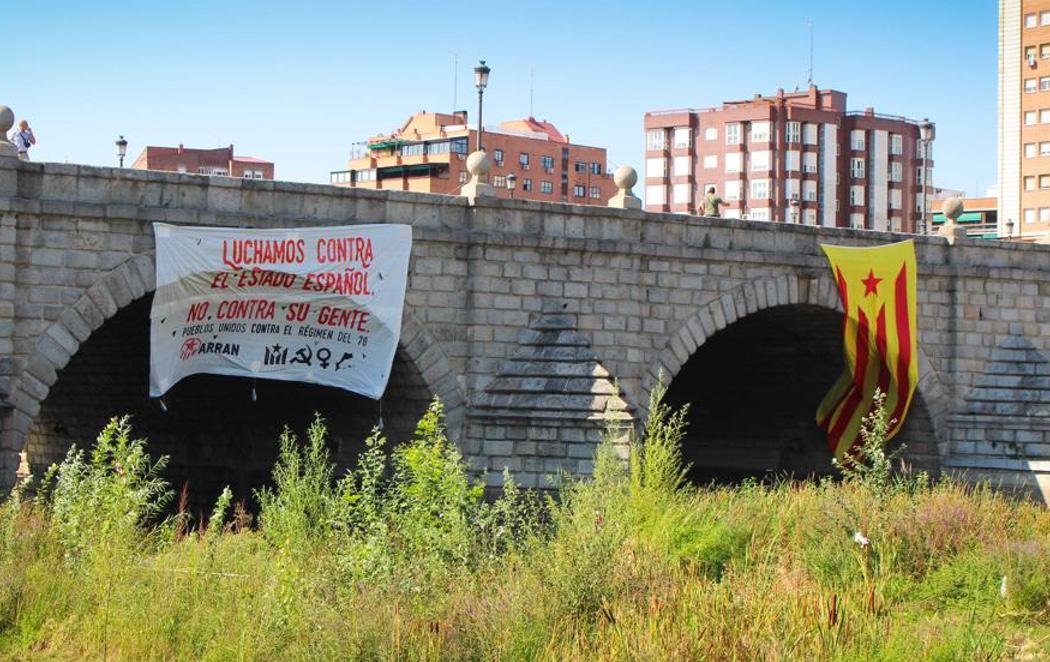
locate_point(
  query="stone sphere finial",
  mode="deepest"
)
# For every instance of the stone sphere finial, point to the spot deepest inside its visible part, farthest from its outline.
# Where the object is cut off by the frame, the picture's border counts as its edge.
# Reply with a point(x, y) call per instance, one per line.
point(952, 208)
point(7, 119)
point(625, 177)
point(478, 163)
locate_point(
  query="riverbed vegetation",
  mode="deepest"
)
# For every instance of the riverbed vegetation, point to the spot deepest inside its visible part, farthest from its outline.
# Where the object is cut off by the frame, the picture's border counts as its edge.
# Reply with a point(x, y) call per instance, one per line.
point(404, 558)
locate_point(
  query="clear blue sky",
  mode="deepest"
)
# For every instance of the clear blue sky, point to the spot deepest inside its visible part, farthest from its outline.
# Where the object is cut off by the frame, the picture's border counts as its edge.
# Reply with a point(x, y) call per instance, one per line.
point(297, 83)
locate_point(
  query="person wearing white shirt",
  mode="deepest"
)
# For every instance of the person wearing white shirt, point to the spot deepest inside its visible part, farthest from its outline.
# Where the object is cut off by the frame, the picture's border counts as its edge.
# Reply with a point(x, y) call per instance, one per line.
point(23, 139)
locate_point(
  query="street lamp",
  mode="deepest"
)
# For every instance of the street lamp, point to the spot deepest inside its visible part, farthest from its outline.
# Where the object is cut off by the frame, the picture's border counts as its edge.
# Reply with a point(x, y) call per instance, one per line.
point(794, 210)
point(512, 181)
point(122, 149)
point(927, 132)
point(481, 81)
point(1009, 228)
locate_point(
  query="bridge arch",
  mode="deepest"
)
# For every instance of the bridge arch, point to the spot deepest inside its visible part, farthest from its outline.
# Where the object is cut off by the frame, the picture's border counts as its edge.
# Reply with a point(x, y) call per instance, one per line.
point(767, 317)
point(114, 311)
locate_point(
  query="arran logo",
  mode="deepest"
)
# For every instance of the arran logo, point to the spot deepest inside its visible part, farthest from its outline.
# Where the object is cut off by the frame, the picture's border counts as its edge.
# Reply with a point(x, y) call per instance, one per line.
point(190, 348)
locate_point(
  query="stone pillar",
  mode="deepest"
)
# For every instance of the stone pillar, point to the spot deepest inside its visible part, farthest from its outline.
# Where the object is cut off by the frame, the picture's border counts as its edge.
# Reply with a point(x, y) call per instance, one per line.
point(7, 120)
point(952, 210)
point(625, 177)
point(478, 165)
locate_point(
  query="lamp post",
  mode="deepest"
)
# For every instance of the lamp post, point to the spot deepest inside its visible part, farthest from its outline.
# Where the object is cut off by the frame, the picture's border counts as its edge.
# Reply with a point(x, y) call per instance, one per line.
point(794, 210)
point(122, 149)
point(481, 81)
point(1009, 228)
point(927, 132)
point(512, 181)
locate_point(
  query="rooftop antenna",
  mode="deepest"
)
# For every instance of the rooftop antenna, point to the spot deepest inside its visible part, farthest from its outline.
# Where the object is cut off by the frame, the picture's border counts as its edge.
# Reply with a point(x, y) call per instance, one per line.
point(455, 79)
point(532, 86)
point(810, 79)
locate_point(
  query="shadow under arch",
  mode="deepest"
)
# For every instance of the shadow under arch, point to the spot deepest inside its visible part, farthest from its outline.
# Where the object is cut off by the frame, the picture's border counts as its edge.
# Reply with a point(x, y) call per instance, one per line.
point(92, 363)
point(753, 390)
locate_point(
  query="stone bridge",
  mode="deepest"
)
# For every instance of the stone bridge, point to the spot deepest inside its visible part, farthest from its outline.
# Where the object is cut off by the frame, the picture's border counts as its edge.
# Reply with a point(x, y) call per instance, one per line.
point(524, 318)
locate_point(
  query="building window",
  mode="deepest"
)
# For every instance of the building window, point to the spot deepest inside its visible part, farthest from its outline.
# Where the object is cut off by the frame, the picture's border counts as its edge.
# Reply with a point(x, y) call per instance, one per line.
point(654, 139)
point(733, 134)
point(809, 162)
point(1029, 118)
point(579, 190)
point(1029, 85)
point(793, 130)
point(1044, 51)
point(580, 166)
point(415, 149)
point(526, 184)
point(856, 168)
point(546, 187)
point(1029, 216)
point(1044, 18)
point(523, 160)
point(1044, 149)
point(1029, 20)
point(711, 161)
point(810, 216)
point(809, 191)
point(1044, 116)
point(759, 189)
point(680, 194)
point(497, 156)
point(596, 168)
point(682, 136)
point(791, 161)
point(656, 168)
point(733, 162)
point(809, 134)
point(732, 190)
point(760, 161)
point(548, 163)
point(1029, 183)
point(596, 192)
point(895, 198)
point(458, 145)
point(1044, 181)
point(856, 220)
point(1029, 150)
point(682, 165)
point(499, 181)
point(1044, 214)
point(896, 144)
point(463, 176)
point(856, 196)
point(759, 132)
point(791, 189)
point(856, 140)
point(1029, 54)
point(655, 195)
point(1044, 83)
point(896, 172)
point(710, 133)
point(761, 214)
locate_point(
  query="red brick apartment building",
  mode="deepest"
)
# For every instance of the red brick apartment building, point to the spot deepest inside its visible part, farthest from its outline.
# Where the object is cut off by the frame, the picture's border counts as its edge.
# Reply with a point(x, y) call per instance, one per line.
point(531, 160)
point(220, 161)
point(796, 157)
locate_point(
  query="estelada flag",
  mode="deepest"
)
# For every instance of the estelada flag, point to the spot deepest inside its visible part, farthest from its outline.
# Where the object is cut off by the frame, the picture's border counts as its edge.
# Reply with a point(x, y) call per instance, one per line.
point(877, 289)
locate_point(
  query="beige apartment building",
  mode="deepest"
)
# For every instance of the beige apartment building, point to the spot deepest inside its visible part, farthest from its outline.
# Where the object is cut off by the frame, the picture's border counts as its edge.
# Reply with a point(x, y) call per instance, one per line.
point(1024, 119)
point(797, 157)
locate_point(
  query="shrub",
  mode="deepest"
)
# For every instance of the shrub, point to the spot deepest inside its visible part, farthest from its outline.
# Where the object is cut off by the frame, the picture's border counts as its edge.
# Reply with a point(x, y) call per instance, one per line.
point(108, 495)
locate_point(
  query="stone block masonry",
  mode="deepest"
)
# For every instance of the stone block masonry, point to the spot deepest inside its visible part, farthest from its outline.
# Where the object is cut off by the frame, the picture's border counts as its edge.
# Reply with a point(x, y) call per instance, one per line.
point(534, 323)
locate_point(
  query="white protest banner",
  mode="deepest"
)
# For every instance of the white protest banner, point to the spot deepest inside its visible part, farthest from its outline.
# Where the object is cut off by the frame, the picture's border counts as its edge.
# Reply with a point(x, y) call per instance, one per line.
point(319, 305)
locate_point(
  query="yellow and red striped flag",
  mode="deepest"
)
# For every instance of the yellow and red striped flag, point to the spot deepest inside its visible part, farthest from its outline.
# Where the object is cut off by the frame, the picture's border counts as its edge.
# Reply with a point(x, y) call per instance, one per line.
point(877, 289)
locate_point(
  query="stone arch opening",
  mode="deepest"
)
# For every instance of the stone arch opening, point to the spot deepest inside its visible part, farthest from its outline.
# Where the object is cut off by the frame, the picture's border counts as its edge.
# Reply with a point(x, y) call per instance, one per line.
point(213, 431)
point(753, 388)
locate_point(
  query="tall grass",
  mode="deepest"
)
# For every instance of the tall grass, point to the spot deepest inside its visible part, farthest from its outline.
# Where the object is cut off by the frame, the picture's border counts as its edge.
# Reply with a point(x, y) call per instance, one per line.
point(402, 558)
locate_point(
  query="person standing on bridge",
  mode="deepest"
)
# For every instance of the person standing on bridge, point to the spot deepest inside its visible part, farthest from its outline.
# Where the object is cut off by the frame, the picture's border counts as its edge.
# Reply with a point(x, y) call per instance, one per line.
point(713, 203)
point(23, 139)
